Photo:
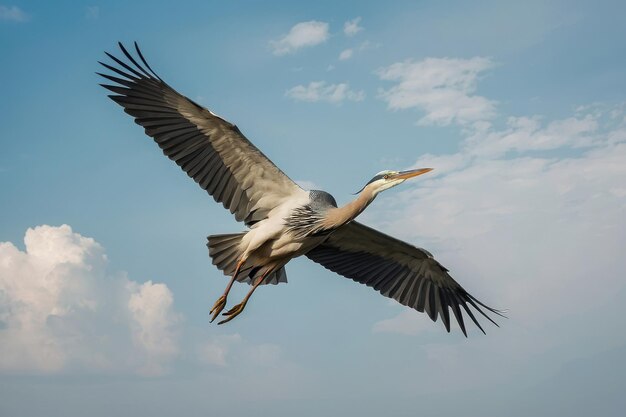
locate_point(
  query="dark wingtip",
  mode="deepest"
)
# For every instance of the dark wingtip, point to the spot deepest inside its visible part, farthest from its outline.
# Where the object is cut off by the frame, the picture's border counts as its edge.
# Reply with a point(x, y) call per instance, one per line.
point(131, 59)
point(146, 62)
point(125, 66)
point(471, 316)
point(501, 313)
point(471, 300)
point(493, 310)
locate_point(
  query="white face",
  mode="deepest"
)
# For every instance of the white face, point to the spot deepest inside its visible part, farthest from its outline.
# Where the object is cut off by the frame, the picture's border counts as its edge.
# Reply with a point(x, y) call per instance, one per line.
point(385, 181)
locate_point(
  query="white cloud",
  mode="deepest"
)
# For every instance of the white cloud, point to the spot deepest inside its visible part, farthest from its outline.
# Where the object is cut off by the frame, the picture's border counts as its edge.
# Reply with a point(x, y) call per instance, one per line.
point(153, 324)
point(441, 87)
point(365, 45)
point(349, 52)
point(60, 310)
point(12, 13)
point(540, 236)
point(346, 54)
point(301, 35)
point(527, 134)
point(351, 27)
point(320, 91)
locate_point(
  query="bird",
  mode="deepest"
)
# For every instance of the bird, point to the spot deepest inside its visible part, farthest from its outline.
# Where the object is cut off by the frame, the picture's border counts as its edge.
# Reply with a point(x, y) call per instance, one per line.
point(283, 220)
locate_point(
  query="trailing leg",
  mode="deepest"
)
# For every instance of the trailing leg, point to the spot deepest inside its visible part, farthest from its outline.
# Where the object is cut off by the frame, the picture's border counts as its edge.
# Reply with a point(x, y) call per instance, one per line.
point(221, 302)
point(236, 310)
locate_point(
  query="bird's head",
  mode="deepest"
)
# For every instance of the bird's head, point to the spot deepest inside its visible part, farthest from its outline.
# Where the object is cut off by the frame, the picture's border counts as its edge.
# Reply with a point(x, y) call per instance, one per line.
point(387, 179)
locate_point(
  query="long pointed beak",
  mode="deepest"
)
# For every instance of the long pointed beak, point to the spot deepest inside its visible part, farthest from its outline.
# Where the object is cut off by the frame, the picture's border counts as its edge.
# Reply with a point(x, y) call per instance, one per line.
point(404, 175)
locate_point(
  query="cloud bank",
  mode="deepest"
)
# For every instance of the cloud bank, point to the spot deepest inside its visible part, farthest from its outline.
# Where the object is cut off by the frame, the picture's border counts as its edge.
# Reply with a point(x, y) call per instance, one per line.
point(62, 311)
point(541, 235)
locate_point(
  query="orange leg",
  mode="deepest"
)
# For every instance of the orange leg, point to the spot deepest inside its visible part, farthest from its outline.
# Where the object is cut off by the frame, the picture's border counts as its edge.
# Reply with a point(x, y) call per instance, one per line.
point(221, 302)
point(236, 310)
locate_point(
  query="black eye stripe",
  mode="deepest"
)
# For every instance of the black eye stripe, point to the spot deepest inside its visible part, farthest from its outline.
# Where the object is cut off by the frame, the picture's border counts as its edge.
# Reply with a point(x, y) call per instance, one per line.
point(376, 178)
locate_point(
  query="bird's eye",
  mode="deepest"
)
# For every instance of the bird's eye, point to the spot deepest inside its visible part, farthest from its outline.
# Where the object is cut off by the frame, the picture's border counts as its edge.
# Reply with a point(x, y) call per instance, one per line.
point(386, 176)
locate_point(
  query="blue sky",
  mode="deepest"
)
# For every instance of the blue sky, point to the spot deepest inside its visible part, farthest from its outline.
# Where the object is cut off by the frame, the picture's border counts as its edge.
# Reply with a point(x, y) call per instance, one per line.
point(105, 282)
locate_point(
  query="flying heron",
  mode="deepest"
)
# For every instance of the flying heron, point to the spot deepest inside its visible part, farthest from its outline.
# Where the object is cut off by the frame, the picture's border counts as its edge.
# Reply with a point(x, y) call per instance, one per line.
point(284, 221)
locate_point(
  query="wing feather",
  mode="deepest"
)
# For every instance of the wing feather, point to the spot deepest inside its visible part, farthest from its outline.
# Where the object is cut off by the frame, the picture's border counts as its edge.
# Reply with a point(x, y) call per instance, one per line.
point(212, 151)
point(408, 274)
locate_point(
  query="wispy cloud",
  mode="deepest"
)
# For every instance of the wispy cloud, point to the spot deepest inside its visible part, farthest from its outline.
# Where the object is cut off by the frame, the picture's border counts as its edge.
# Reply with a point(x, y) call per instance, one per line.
point(301, 35)
point(523, 134)
point(321, 91)
point(92, 12)
point(443, 88)
point(351, 27)
point(346, 54)
point(13, 14)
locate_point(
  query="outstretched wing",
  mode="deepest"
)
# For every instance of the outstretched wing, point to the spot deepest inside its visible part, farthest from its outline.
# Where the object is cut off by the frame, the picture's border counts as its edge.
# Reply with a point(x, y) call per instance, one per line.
point(209, 149)
point(398, 270)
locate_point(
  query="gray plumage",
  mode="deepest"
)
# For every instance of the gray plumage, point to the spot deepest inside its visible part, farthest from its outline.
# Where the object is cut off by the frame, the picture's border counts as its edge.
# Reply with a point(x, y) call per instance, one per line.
point(308, 220)
point(284, 220)
point(321, 200)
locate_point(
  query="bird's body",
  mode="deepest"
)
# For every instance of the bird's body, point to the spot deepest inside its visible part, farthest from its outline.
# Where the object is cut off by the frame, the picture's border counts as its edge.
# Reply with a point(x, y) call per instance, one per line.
point(288, 232)
point(291, 229)
point(284, 220)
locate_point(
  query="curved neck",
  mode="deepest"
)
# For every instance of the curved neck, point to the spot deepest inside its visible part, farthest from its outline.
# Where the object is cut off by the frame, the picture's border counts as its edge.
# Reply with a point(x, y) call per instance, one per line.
point(339, 216)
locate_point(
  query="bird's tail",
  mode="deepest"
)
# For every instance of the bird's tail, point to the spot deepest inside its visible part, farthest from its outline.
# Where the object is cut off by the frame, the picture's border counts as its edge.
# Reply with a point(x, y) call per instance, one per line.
point(225, 251)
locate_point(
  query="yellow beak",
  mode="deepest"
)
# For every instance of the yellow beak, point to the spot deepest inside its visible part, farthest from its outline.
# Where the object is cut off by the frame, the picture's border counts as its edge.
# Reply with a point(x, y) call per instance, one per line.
point(405, 175)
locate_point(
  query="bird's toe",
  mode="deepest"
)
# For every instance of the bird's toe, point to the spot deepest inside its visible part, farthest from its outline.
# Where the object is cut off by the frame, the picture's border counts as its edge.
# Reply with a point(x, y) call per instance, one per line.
point(218, 307)
point(232, 313)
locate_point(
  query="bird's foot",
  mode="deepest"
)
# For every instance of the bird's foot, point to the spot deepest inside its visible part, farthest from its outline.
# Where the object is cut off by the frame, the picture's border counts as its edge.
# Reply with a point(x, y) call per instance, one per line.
point(233, 312)
point(218, 307)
